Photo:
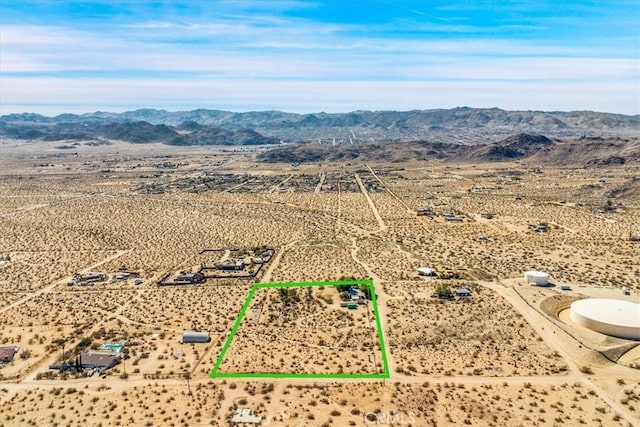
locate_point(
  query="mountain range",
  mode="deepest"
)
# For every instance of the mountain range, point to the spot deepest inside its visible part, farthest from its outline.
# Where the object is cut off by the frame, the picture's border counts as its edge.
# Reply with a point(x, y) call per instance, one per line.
point(534, 149)
point(136, 132)
point(463, 125)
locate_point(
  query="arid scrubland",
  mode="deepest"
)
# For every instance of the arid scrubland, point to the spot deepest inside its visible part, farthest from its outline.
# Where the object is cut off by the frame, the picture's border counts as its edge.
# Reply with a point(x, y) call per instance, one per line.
point(587, 237)
point(173, 403)
point(304, 330)
point(316, 261)
point(482, 335)
point(500, 357)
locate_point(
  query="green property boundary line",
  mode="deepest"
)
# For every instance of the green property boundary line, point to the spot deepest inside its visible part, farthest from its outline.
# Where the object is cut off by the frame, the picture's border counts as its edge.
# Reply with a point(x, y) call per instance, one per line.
point(385, 363)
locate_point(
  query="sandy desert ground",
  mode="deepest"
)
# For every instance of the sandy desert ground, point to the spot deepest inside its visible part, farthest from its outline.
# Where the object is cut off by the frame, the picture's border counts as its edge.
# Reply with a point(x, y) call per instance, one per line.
point(304, 330)
point(509, 355)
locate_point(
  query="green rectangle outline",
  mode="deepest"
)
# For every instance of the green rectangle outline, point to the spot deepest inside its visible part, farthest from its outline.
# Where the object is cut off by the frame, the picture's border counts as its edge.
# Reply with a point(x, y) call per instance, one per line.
point(385, 363)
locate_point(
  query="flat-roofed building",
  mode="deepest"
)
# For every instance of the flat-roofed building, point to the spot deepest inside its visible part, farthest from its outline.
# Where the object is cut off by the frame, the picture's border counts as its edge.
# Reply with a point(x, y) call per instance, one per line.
point(183, 278)
point(195, 337)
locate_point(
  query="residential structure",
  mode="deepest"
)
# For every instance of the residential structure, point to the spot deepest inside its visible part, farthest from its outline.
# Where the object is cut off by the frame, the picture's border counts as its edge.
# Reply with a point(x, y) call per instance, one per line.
point(426, 271)
point(7, 353)
point(186, 278)
point(90, 277)
point(236, 264)
point(462, 292)
point(100, 360)
point(245, 416)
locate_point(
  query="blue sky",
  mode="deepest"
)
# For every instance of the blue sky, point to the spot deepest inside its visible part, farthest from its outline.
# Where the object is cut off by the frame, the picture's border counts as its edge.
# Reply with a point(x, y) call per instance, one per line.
point(309, 56)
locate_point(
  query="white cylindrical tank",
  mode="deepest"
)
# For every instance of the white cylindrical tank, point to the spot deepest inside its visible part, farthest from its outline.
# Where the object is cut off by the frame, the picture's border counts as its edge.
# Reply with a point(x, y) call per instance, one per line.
point(608, 316)
point(539, 278)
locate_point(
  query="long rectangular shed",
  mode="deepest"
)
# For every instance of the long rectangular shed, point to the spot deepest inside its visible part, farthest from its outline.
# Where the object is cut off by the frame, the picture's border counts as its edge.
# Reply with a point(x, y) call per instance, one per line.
point(195, 337)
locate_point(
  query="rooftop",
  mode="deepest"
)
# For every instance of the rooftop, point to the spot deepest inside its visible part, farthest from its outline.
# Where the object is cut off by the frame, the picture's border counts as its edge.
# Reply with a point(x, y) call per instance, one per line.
point(245, 415)
point(98, 358)
point(7, 353)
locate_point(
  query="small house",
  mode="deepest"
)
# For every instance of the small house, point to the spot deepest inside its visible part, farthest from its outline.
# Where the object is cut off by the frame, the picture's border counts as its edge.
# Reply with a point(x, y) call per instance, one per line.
point(97, 359)
point(426, 271)
point(129, 273)
point(540, 228)
point(90, 278)
point(245, 416)
point(7, 353)
point(231, 265)
point(184, 278)
point(462, 292)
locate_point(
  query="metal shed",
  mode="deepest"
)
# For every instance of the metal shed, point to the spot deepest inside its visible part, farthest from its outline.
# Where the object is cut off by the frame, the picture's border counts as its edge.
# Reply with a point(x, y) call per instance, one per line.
point(195, 337)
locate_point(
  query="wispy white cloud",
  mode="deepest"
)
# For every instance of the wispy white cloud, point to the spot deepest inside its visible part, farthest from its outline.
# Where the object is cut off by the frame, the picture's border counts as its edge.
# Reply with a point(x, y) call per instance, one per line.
point(305, 96)
point(252, 54)
point(545, 69)
point(37, 49)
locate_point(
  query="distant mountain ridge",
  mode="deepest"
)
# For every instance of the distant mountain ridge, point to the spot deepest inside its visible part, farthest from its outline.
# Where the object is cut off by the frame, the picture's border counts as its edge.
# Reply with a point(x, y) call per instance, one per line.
point(136, 132)
point(534, 149)
point(461, 125)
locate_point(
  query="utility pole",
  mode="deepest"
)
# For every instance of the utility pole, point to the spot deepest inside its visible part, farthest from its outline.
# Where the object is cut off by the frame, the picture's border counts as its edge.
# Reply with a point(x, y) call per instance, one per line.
point(187, 376)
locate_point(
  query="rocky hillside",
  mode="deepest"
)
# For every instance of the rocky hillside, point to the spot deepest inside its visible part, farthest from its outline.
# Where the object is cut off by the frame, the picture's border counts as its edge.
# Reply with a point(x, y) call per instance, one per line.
point(534, 149)
point(459, 125)
point(138, 132)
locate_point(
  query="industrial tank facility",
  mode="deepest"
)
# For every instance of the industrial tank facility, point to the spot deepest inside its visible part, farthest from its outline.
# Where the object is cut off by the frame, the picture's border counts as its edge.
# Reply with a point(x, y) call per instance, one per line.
point(539, 278)
point(608, 316)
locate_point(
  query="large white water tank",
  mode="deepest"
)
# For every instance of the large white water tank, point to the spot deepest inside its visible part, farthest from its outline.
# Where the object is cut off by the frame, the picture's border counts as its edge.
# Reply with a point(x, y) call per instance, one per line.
point(539, 278)
point(608, 316)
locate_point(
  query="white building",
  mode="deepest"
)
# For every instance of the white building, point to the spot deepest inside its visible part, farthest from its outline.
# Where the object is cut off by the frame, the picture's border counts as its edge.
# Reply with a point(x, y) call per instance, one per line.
point(245, 416)
point(426, 271)
point(537, 278)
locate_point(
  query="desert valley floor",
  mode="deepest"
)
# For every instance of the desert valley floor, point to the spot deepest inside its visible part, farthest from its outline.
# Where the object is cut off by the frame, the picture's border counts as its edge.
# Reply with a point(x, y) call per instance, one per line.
point(146, 216)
